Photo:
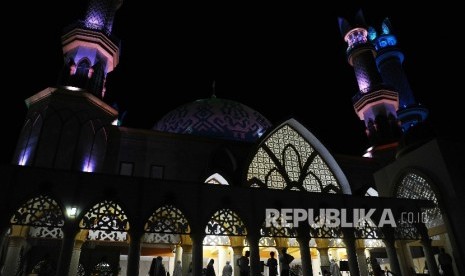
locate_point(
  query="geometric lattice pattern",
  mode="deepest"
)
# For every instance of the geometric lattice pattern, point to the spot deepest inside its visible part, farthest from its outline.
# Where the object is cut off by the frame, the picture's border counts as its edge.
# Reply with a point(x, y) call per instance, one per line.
point(406, 231)
point(100, 15)
point(161, 238)
point(226, 223)
point(366, 229)
point(167, 219)
point(213, 240)
point(280, 229)
point(322, 230)
point(39, 211)
point(336, 243)
point(369, 243)
point(45, 232)
point(287, 161)
point(107, 235)
point(414, 186)
point(263, 242)
point(105, 215)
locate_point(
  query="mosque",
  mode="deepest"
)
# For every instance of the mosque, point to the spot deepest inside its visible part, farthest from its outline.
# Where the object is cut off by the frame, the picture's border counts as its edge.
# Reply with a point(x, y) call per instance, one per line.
point(86, 196)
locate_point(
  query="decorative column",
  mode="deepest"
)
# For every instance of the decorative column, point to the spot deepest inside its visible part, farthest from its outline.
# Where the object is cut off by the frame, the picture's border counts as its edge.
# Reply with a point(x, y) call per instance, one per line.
point(352, 254)
point(254, 254)
point(17, 246)
point(361, 258)
point(73, 267)
point(67, 248)
point(186, 257)
point(134, 252)
point(305, 255)
point(197, 254)
point(237, 254)
point(429, 256)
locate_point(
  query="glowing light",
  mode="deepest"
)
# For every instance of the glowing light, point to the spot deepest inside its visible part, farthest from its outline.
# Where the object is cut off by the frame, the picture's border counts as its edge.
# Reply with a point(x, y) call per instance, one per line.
point(116, 122)
point(372, 33)
point(73, 88)
point(89, 166)
point(72, 212)
point(24, 158)
point(356, 37)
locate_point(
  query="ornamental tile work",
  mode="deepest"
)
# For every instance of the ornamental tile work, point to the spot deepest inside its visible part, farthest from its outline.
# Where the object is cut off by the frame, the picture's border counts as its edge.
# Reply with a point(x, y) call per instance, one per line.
point(215, 117)
point(287, 161)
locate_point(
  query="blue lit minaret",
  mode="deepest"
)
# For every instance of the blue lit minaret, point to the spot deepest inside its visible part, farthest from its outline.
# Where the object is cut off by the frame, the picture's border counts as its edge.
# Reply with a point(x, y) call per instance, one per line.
point(389, 60)
point(90, 51)
point(375, 103)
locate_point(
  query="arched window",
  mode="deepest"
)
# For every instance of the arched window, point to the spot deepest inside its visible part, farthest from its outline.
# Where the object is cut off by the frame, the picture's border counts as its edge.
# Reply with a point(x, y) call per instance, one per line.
point(226, 223)
point(287, 160)
point(414, 186)
point(82, 69)
point(216, 178)
point(165, 226)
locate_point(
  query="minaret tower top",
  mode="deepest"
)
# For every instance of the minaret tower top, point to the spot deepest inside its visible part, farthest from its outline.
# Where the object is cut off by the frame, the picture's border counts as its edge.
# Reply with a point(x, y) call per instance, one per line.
point(90, 50)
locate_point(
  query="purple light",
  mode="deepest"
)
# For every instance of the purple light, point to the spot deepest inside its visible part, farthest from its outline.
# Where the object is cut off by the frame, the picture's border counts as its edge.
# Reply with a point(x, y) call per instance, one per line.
point(24, 157)
point(89, 165)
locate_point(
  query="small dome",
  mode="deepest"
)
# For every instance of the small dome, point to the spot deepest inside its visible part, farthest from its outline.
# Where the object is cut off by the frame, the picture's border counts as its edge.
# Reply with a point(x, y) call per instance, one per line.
point(215, 117)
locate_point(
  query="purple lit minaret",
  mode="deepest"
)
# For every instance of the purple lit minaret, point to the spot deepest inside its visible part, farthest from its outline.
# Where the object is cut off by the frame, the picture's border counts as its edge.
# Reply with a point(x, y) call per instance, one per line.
point(90, 51)
point(375, 103)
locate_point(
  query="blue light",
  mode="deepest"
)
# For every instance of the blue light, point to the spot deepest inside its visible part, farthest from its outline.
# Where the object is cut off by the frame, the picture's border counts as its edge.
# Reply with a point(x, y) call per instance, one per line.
point(385, 28)
point(382, 43)
point(372, 33)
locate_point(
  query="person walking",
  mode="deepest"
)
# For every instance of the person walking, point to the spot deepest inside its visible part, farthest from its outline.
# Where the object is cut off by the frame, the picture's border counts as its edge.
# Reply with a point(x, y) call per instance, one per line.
point(285, 260)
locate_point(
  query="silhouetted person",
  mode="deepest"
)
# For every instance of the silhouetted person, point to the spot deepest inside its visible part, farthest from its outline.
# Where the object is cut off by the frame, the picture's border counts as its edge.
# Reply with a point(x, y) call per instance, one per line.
point(243, 263)
point(272, 265)
point(210, 268)
point(376, 267)
point(334, 268)
point(157, 268)
point(445, 260)
point(227, 269)
point(285, 260)
point(326, 273)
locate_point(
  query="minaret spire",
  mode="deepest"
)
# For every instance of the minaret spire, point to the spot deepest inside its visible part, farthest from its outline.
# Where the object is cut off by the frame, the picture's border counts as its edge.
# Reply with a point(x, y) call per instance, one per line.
point(90, 51)
point(375, 103)
point(389, 60)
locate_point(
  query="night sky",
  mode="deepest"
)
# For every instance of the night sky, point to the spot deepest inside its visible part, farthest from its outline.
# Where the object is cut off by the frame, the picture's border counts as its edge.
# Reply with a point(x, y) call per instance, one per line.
point(265, 56)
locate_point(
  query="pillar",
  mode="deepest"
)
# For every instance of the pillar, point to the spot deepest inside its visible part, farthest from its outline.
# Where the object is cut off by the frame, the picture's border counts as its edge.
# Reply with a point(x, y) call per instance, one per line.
point(362, 260)
point(222, 257)
point(405, 258)
point(324, 258)
point(255, 268)
point(73, 267)
point(186, 258)
point(134, 253)
point(67, 248)
point(352, 256)
point(305, 255)
point(237, 254)
point(197, 254)
point(392, 255)
point(178, 254)
point(16, 247)
point(429, 256)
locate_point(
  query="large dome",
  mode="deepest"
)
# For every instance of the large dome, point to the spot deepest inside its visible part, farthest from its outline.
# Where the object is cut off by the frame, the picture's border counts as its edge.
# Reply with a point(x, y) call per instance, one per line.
point(215, 117)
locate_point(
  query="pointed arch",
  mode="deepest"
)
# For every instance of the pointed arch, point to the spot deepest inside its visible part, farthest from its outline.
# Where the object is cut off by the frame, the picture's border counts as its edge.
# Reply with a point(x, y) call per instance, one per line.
point(292, 158)
point(414, 186)
point(225, 222)
point(169, 220)
point(216, 178)
point(106, 221)
point(40, 211)
point(279, 229)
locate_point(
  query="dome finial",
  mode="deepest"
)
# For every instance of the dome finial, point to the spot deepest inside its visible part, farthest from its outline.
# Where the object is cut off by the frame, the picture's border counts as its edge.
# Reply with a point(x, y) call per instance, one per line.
point(214, 89)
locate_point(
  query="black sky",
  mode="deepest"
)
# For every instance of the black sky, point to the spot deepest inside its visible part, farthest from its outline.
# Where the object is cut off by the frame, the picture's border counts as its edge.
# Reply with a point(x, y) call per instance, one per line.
point(267, 56)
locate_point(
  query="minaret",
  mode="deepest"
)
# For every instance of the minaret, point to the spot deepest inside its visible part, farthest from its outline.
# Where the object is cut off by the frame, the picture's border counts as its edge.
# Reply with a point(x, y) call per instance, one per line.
point(90, 51)
point(389, 60)
point(375, 103)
